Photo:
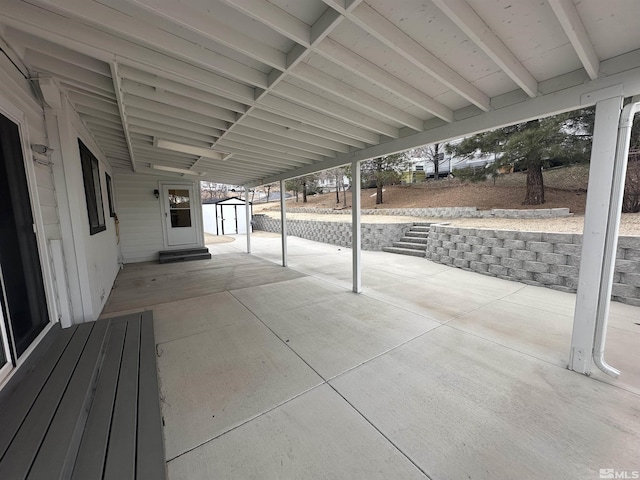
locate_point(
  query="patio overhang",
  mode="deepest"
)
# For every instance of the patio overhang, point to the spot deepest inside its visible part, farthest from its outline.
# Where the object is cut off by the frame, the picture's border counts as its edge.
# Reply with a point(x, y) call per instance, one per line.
point(249, 92)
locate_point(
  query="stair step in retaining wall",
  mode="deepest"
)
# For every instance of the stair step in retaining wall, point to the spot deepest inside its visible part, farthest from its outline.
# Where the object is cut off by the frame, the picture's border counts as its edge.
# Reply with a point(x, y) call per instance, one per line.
point(405, 251)
point(421, 240)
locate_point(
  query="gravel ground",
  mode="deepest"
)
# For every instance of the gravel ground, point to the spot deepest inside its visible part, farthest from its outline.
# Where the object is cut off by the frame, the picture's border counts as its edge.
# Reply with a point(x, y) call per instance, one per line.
point(630, 223)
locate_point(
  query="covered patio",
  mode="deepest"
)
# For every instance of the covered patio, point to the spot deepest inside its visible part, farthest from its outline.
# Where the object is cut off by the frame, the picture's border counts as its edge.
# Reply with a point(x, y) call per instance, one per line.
point(346, 364)
point(431, 372)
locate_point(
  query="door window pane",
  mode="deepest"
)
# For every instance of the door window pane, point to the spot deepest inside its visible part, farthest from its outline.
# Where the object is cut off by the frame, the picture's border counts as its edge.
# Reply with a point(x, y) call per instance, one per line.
point(179, 208)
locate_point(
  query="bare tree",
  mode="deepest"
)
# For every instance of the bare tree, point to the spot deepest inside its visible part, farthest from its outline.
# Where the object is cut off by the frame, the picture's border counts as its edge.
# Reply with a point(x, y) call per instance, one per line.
point(430, 154)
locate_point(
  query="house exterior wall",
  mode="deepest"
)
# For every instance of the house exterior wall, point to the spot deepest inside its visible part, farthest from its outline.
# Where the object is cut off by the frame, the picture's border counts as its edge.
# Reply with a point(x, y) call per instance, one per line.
point(78, 268)
point(140, 214)
point(101, 249)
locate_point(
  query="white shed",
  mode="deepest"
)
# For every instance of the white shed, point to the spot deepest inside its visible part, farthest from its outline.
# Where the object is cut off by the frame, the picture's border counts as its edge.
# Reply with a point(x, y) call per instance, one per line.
point(225, 217)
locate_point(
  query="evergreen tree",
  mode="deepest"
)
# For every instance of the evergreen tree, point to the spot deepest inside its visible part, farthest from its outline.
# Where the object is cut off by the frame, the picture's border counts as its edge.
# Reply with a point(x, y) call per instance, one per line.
point(384, 171)
point(564, 138)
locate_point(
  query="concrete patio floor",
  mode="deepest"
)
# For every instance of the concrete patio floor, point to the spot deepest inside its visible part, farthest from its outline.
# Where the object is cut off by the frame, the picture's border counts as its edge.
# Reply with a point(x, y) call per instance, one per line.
point(432, 372)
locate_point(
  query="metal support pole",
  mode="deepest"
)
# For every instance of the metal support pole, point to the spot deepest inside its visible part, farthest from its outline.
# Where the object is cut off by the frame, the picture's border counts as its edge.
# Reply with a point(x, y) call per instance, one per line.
point(597, 239)
point(283, 223)
point(356, 230)
point(248, 213)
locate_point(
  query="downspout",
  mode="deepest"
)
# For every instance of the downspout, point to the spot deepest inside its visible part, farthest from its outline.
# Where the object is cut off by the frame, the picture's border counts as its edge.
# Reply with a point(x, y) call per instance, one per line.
point(613, 226)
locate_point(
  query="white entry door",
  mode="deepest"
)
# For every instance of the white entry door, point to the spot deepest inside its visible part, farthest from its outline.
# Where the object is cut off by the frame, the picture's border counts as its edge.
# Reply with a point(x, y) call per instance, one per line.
point(180, 215)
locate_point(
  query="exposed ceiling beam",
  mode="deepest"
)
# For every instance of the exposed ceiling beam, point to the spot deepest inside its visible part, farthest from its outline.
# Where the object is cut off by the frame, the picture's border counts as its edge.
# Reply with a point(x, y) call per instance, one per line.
point(569, 18)
point(172, 129)
point(282, 140)
point(283, 22)
point(337, 53)
point(284, 132)
point(218, 31)
point(101, 104)
point(61, 53)
point(293, 110)
point(169, 136)
point(103, 17)
point(102, 45)
point(275, 18)
point(179, 101)
point(346, 92)
point(269, 155)
point(185, 90)
point(386, 32)
point(562, 94)
point(168, 121)
point(477, 30)
point(276, 117)
point(40, 61)
point(270, 146)
point(123, 114)
point(214, 29)
point(333, 109)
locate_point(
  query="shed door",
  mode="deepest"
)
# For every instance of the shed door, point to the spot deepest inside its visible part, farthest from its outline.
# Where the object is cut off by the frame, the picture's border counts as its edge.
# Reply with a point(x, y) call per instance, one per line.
point(229, 220)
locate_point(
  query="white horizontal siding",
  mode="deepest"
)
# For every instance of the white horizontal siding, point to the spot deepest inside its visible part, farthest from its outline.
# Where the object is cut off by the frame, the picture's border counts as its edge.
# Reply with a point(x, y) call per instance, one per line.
point(140, 216)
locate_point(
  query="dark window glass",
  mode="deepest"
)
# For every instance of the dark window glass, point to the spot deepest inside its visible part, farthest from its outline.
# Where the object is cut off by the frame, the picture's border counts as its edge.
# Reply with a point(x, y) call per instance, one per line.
point(112, 207)
point(179, 208)
point(92, 190)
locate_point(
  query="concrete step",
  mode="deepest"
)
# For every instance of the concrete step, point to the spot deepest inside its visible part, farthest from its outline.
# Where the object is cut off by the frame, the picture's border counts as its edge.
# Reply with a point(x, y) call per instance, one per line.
point(404, 251)
point(420, 240)
point(422, 224)
point(420, 229)
point(413, 234)
point(170, 256)
point(412, 246)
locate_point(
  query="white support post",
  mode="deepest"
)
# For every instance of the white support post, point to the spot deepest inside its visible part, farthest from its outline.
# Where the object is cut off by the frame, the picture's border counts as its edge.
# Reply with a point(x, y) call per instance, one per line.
point(356, 241)
point(248, 214)
point(595, 238)
point(283, 223)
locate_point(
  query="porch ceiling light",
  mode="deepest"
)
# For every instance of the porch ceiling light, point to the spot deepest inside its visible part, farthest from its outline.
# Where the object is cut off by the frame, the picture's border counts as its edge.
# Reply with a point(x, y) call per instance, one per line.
point(177, 170)
point(190, 149)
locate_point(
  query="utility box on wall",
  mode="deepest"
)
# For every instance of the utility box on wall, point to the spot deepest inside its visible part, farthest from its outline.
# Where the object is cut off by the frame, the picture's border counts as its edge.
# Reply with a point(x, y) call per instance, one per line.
point(226, 216)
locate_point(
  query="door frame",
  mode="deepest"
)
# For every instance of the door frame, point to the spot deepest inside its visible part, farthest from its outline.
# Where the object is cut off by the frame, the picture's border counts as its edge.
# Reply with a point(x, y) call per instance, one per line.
point(18, 116)
point(195, 192)
point(7, 368)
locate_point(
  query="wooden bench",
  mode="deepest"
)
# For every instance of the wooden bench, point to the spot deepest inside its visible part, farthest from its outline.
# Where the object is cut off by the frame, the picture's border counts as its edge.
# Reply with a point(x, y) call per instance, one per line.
point(88, 407)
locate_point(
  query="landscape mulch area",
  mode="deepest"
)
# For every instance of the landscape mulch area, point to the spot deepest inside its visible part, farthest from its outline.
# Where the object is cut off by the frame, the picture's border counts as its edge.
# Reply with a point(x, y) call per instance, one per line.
point(439, 194)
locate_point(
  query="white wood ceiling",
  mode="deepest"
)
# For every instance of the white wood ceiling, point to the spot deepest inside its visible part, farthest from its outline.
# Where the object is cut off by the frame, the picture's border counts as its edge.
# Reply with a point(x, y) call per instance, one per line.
point(239, 91)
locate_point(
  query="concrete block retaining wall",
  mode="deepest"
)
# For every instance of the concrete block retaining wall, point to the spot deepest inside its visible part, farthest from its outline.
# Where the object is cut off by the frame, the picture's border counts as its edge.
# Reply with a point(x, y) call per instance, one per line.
point(535, 258)
point(446, 212)
point(374, 235)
